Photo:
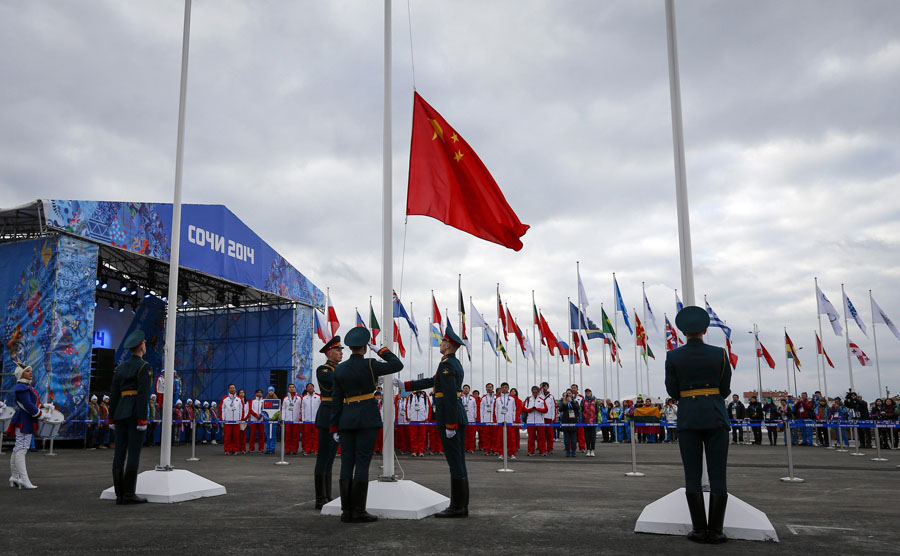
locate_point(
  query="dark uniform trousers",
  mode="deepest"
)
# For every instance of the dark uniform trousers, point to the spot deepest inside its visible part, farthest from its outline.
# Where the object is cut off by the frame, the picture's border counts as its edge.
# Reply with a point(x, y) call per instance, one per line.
point(129, 439)
point(327, 450)
point(357, 447)
point(693, 443)
point(455, 452)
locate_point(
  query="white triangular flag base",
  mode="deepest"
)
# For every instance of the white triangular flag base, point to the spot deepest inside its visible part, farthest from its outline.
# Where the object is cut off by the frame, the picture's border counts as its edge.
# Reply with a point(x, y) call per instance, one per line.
point(397, 500)
point(670, 516)
point(168, 487)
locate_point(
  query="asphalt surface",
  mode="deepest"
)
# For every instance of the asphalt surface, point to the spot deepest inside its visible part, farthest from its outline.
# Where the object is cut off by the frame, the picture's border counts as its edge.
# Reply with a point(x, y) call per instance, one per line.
point(575, 505)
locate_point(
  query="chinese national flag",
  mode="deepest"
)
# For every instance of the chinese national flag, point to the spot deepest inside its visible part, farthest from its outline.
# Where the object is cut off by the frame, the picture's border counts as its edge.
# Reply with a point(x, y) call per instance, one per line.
point(448, 182)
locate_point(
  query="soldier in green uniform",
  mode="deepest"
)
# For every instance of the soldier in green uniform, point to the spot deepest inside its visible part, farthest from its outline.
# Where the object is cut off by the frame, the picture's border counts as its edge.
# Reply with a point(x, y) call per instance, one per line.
point(334, 351)
point(129, 398)
point(356, 421)
point(699, 377)
point(450, 418)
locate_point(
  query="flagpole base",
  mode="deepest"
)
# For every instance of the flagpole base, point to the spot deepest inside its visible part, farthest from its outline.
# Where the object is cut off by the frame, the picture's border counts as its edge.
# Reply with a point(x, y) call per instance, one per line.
point(396, 500)
point(669, 516)
point(171, 486)
point(506, 470)
point(634, 474)
point(879, 459)
point(282, 462)
point(791, 480)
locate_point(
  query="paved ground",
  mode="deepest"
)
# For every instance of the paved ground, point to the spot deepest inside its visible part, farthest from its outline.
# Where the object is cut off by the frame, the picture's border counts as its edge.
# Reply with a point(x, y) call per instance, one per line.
point(574, 506)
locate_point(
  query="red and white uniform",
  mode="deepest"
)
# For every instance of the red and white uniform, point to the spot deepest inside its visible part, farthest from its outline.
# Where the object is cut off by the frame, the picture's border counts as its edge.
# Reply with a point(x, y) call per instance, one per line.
point(290, 414)
point(401, 432)
point(549, 419)
point(418, 410)
point(257, 430)
point(232, 413)
point(505, 412)
point(470, 404)
point(489, 433)
point(535, 410)
point(310, 403)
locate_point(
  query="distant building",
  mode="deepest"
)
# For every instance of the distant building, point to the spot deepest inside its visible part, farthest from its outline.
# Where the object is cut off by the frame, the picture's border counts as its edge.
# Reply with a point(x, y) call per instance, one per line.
point(774, 394)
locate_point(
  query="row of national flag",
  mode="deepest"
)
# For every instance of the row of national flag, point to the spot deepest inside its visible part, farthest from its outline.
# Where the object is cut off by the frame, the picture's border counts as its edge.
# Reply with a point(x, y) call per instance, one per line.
point(575, 348)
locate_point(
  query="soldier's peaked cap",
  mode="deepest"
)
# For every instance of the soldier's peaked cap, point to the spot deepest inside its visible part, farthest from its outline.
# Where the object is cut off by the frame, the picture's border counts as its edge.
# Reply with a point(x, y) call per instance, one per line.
point(449, 334)
point(134, 339)
point(332, 343)
point(692, 320)
point(357, 337)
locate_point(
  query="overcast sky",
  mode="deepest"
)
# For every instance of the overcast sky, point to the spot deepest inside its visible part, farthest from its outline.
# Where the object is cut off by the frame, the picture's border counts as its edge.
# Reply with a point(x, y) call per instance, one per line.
point(791, 127)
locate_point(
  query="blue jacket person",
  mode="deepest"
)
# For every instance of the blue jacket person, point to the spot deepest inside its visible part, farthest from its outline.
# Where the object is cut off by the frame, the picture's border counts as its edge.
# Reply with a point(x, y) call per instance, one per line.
point(334, 352)
point(24, 424)
point(699, 377)
point(451, 421)
point(355, 420)
point(128, 408)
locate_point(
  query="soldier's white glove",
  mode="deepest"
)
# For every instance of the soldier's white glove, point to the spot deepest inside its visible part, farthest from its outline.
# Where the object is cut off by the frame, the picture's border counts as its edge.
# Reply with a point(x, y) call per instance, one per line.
point(373, 348)
point(141, 427)
point(451, 434)
point(336, 437)
point(398, 384)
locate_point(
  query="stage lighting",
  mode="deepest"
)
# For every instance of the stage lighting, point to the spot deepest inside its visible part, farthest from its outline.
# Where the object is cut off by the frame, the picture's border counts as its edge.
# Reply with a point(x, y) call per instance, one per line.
point(133, 288)
point(121, 307)
point(123, 287)
point(109, 305)
point(97, 282)
point(104, 284)
point(147, 293)
point(184, 303)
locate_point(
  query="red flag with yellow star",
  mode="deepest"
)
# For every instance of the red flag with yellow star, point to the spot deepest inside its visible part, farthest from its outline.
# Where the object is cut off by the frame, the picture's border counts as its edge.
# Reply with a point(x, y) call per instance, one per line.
point(448, 182)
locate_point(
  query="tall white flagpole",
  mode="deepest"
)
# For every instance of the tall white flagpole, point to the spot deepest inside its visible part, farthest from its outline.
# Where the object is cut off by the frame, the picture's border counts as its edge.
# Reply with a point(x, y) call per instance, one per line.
point(847, 337)
point(759, 398)
point(875, 339)
point(165, 452)
point(605, 392)
point(818, 372)
point(387, 278)
point(637, 389)
point(821, 339)
point(646, 339)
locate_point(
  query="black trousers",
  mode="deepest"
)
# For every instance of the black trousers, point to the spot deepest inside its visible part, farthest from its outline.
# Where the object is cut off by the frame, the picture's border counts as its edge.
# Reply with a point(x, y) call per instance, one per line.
point(756, 426)
point(327, 450)
point(357, 447)
point(693, 443)
point(607, 433)
point(455, 452)
point(590, 437)
point(737, 434)
point(128, 444)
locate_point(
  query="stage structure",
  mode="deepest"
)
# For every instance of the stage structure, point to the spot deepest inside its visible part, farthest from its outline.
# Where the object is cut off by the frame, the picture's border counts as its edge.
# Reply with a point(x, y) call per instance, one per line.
point(78, 276)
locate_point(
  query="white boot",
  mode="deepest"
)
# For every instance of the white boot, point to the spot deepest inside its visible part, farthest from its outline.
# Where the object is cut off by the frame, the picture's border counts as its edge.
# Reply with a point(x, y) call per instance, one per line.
point(24, 482)
point(13, 471)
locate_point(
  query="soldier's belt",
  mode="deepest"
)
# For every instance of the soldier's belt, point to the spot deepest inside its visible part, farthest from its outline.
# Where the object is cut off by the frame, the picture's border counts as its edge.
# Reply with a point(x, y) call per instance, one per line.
point(128, 393)
point(699, 392)
point(441, 394)
point(361, 397)
point(326, 399)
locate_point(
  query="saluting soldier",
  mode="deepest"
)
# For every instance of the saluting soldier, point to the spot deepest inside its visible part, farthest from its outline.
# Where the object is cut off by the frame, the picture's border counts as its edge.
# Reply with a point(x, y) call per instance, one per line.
point(450, 419)
point(130, 394)
point(334, 352)
point(355, 421)
point(699, 377)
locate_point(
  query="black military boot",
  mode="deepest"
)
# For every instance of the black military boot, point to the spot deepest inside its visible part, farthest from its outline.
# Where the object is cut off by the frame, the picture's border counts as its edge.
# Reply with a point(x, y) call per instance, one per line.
point(717, 503)
point(698, 516)
point(328, 487)
point(321, 500)
point(358, 513)
point(456, 507)
point(129, 483)
point(117, 485)
point(346, 492)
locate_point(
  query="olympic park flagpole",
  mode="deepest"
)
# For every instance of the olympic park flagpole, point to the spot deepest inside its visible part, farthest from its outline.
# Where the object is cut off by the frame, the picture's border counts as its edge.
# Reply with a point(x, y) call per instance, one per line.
point(669, 515)
point(389, 497)
point(165, 484)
